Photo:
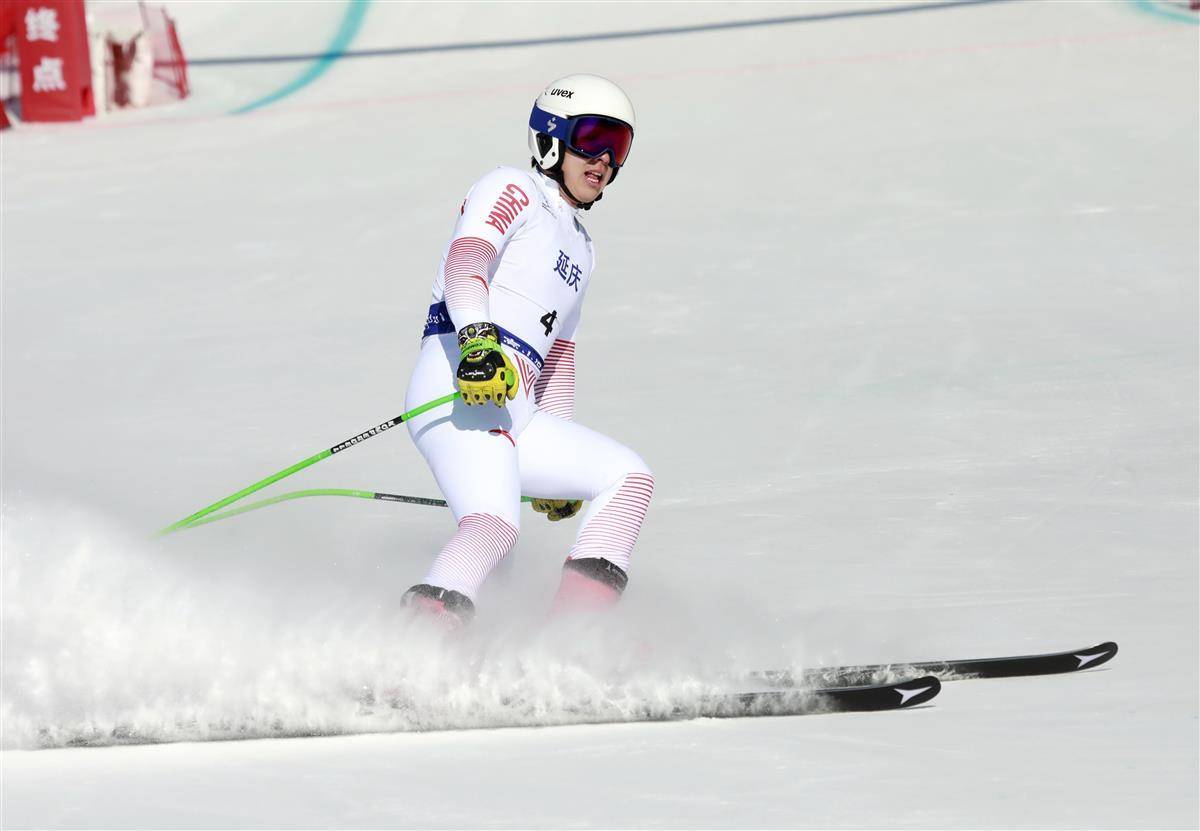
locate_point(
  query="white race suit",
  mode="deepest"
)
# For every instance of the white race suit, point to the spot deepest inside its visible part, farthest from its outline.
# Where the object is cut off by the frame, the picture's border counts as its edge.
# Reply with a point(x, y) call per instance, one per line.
point(519, 258)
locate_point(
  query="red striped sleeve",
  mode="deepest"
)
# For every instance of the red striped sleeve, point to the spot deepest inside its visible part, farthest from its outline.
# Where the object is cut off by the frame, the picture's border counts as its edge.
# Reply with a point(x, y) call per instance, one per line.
point(468, 264)
point(555, 387)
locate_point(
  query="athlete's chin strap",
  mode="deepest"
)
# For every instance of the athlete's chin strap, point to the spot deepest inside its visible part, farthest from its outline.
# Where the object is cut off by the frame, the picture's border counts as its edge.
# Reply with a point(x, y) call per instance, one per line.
point(556, 174)
point(586, 206)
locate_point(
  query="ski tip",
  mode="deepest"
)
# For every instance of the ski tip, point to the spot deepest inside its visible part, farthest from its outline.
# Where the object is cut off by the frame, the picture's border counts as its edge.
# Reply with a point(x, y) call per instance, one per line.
point(917, 691)
point(1097, 655)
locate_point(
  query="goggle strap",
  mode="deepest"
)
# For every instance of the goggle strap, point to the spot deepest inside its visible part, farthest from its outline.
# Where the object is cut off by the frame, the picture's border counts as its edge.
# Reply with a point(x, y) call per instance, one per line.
point(549, 123)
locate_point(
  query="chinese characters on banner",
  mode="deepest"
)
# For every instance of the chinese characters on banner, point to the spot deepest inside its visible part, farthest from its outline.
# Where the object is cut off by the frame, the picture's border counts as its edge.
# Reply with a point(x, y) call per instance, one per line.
point(52, 48)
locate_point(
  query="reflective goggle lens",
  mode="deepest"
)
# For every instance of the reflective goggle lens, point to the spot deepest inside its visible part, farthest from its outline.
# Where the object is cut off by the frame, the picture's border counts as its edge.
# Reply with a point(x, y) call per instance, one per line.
point(593, 135)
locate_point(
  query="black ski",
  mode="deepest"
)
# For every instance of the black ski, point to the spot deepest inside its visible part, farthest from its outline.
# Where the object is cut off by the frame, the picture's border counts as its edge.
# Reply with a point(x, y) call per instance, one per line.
point(759, 703)
point(1050, 663)
point(800, 702)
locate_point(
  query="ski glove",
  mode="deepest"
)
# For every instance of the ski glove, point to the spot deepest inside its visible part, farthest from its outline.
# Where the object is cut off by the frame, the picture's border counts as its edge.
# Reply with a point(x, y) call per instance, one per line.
point(556, 509)
point(484, 372)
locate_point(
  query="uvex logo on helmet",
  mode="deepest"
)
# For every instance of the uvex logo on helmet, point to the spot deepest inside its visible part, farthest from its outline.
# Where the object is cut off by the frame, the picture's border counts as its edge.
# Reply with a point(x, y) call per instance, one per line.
point(564, 93)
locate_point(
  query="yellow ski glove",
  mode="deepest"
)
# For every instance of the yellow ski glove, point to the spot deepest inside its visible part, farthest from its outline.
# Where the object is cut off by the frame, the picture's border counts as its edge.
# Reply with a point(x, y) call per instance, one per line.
point(556, 509)
point(484, 373)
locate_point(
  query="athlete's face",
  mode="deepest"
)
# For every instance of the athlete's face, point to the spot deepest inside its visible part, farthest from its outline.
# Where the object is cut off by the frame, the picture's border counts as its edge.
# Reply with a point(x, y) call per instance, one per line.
point(586, 178)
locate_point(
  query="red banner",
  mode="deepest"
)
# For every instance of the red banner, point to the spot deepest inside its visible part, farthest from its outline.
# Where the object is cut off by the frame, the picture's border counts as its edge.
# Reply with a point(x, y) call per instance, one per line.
point(52, 48)
point(8, 26)
point(8, 22)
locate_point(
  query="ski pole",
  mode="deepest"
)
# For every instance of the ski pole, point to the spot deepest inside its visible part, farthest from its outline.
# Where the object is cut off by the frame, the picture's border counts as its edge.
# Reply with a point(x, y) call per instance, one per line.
point(284, 497)
point(275, 500)
point(311, 460)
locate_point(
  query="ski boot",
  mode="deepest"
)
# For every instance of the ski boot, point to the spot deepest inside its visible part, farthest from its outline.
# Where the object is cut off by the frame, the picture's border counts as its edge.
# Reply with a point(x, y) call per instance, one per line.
point(450, 610)
point(592, 584)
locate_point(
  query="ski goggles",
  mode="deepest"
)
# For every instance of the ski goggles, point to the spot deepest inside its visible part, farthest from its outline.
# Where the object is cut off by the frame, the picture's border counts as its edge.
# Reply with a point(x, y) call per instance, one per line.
point(590, 136)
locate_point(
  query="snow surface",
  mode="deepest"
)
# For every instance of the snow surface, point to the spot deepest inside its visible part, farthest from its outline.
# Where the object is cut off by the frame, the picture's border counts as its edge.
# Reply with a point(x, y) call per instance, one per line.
point(902, 310)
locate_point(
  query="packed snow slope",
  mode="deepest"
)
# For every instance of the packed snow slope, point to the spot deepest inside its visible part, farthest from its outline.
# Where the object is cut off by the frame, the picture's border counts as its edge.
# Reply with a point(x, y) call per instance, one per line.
point(900, 307)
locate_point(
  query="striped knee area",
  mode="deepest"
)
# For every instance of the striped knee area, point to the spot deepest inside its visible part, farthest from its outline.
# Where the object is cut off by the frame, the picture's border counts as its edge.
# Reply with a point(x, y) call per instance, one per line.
point(612, 532)
point(479, 545)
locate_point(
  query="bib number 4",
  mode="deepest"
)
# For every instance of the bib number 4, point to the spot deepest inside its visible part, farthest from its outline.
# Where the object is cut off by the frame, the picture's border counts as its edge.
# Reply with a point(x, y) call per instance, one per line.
point(547, 320)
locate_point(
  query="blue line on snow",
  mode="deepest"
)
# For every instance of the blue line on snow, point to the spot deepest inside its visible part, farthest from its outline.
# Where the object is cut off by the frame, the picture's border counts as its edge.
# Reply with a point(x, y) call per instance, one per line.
point(351, 23)
point(1159, 10)
point(641, 33)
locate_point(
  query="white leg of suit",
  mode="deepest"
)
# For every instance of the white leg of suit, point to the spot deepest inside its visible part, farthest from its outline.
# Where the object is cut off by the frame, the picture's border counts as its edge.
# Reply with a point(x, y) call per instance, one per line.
point(485, 457)
point(564, 460)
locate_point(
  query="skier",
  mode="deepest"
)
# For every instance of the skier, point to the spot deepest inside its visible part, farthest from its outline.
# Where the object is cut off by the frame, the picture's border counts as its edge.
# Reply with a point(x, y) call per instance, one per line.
point(501, 330)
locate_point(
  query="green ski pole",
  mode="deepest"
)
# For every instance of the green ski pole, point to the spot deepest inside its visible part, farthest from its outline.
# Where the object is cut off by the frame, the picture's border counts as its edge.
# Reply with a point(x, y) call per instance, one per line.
point(311, 460)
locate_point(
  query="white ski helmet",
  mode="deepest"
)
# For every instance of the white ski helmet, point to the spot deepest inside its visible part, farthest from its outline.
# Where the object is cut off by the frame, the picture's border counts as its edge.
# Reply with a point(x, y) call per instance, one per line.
point(560, 120)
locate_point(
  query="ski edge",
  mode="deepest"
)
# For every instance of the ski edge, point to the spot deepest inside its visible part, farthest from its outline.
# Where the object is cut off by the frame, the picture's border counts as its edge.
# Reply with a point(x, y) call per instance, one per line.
point(1047, 663)
point(796, 702)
